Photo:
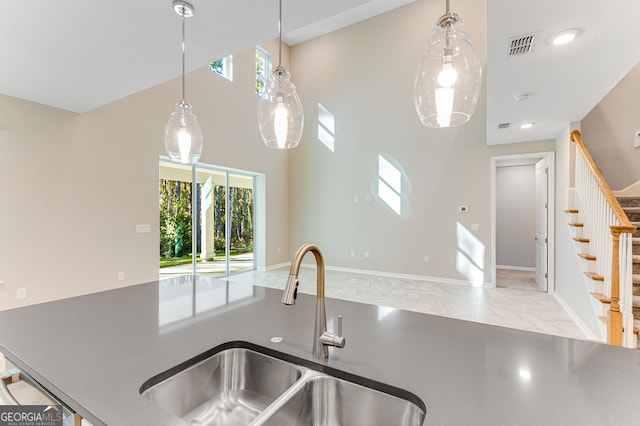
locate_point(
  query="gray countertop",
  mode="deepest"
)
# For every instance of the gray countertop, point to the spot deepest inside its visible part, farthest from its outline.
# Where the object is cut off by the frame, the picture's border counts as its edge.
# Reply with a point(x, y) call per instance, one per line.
point(95, 351)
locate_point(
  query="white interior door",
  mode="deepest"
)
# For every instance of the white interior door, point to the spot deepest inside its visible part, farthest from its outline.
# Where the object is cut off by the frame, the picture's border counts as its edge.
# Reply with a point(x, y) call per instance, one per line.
point(542, 208)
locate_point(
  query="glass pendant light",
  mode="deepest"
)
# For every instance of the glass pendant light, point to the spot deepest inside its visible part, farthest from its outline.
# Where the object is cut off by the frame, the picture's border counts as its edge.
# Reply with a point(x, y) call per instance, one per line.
point(280, 114)
point(448, 78)
point(182, 135)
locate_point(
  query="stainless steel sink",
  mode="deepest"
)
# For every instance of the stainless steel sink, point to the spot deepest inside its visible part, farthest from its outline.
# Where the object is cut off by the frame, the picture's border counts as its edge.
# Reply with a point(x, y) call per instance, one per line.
point(242, 386)
point(229, 388)
point(326, 400)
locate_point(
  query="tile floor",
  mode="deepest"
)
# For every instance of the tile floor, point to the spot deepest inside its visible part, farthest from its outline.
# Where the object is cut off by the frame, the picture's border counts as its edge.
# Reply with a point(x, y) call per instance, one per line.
point(514, 308)
point(523, 280)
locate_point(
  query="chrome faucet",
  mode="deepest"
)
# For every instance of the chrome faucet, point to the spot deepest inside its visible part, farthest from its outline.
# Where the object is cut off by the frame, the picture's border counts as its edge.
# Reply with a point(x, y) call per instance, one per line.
point(322, 339)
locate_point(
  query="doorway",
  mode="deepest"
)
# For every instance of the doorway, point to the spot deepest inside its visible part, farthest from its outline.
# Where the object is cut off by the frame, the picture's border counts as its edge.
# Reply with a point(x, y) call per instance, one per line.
point(523, 218)
point(206, 220)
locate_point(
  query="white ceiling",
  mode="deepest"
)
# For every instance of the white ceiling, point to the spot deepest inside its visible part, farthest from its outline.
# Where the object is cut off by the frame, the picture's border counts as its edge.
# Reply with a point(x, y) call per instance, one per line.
point(564, 82)
point(78, 55)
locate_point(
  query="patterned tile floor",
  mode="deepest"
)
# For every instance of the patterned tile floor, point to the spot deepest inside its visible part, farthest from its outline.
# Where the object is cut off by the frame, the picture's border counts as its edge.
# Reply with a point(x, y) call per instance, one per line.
point(508, 307)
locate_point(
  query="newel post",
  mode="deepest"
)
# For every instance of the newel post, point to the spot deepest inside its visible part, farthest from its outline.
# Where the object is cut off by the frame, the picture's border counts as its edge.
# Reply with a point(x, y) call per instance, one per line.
point(615, 316)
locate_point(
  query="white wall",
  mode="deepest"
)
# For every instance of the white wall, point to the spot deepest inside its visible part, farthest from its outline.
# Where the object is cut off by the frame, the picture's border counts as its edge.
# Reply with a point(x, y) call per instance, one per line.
point(73, 187)
point(516, 216)
point(570, 287)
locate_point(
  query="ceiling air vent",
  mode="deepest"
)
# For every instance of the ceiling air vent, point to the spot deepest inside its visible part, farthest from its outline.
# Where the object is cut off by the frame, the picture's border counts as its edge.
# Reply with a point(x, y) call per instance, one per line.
point(504, 126)
point(520, 45)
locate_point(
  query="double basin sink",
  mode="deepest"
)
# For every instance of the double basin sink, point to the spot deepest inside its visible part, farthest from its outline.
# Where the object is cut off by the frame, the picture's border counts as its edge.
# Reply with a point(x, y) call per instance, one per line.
point(240, 383)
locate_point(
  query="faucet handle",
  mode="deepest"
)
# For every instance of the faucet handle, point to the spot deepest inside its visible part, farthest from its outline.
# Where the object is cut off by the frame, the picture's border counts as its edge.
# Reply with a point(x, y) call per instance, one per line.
point(337, 340)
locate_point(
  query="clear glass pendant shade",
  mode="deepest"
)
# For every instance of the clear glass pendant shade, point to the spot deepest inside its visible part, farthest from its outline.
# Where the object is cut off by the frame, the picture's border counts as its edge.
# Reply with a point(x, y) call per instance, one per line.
point(448, 78)
point(280, 114)
point(182, 135)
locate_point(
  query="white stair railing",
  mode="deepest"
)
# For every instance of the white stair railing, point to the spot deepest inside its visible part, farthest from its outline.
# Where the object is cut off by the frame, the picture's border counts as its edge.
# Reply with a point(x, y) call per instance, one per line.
point(610, 238)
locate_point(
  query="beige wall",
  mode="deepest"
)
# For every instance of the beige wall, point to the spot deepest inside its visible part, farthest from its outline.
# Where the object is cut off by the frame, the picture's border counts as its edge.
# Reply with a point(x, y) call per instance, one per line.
point(82, 182)
point(609, 129)
point(364, 75)
point(73, 187)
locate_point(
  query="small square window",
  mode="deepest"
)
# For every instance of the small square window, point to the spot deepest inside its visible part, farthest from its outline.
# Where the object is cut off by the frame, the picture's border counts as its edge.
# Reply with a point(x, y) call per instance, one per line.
point(223, 67)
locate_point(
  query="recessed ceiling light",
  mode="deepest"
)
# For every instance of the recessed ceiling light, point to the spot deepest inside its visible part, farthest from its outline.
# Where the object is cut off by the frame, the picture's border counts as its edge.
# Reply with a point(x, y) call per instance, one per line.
point(565, 36)
point(526, 125)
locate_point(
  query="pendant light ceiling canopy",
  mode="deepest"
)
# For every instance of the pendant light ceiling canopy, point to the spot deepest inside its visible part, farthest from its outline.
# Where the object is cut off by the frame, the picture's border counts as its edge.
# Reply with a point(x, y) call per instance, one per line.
point(280, 114)
point(448, 78)
point(182, 135)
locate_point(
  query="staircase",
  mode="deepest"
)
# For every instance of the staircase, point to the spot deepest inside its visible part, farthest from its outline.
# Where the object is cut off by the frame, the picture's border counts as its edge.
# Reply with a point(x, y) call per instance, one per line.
point(631, 207)
point(604, 237)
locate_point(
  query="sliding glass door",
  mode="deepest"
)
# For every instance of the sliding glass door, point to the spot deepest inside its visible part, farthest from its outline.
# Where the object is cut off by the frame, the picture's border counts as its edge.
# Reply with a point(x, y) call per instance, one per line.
point(206, 220)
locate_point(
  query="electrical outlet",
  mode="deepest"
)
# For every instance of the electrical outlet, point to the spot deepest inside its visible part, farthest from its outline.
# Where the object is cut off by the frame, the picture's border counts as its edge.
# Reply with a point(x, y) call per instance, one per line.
point(353, 253)
point(426, 259)
point(475, 227)
point(463, 209)
point(21, 293)
point(120, 276)
point(367, 254)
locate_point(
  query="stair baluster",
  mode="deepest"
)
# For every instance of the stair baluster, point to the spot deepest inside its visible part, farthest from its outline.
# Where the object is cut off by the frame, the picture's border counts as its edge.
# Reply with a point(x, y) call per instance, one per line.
point(609, 234)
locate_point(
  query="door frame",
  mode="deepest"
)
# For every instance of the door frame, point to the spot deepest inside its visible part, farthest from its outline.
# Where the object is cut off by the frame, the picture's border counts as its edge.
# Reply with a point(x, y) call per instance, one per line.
point(258, 187)
point(543, 218)
point(550, 157)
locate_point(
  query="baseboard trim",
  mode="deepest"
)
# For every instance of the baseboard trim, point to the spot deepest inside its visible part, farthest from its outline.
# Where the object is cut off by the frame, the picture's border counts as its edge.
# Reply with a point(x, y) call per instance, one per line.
point(382, 274)
point(581, 325)
point(272, 267)
point(516, 268)
point(403, 276)
point(632, 190)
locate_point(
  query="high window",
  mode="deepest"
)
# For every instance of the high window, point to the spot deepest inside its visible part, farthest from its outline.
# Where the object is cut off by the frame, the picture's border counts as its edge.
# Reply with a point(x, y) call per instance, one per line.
point(263, 69)
point(223, 67)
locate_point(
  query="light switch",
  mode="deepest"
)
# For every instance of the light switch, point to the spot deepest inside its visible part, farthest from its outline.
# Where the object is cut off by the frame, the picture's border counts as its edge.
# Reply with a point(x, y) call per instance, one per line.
point(140, 229)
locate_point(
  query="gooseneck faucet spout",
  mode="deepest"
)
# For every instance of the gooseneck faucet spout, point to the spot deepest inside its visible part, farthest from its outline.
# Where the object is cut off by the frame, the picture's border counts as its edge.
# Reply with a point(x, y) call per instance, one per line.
point(322, 339)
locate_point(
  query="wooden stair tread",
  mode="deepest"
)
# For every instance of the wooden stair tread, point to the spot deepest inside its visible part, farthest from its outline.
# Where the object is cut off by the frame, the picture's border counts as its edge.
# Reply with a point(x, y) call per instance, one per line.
point(586, 240)
point(601, 297)
point(576, 225)
point(587, 256)
point(571, 211)
point(594, 276)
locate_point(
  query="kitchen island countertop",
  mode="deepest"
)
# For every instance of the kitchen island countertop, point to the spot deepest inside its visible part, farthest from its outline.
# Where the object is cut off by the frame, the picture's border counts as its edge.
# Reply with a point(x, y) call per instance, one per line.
point(95, 351)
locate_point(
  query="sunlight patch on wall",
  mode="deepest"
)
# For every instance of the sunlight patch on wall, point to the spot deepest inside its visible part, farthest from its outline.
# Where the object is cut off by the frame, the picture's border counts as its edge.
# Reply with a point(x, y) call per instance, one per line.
point(390, 184)
point(470, 256)
point(326, 127)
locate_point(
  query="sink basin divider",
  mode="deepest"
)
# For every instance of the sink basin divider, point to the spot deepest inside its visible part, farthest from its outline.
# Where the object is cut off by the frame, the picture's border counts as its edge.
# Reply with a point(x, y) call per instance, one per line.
point(307, 374)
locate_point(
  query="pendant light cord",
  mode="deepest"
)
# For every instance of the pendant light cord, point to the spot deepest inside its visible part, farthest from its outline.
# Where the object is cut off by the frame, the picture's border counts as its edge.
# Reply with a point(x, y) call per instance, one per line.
point(183, 49)
point(280, 35)
point(448, 11)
